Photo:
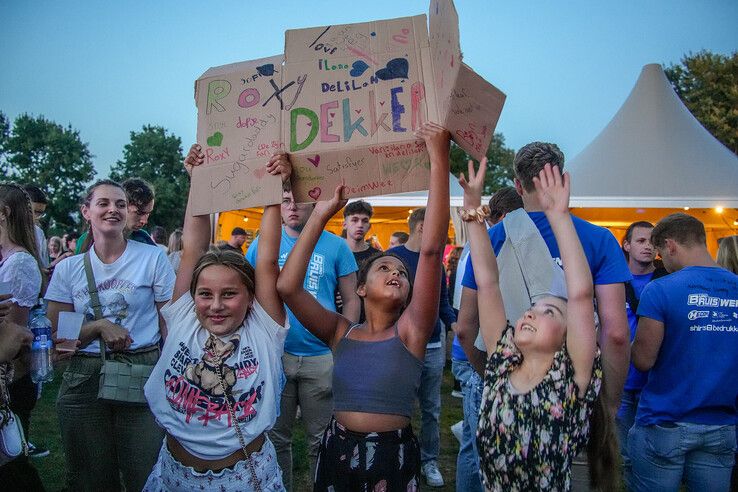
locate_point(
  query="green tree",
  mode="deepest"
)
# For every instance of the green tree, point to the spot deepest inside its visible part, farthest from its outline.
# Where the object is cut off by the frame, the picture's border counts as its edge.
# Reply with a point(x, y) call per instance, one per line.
point(4, 133)
point(156, 156)
point(500, 170)
point(53, 157)
point(707, 83)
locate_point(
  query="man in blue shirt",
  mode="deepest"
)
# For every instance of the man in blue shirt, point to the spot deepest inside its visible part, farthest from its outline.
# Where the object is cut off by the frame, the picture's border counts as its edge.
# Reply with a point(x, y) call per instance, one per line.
point(429, 392)
point(308, 362)
point(687, 337)
point(609, 272)
point(640, 254)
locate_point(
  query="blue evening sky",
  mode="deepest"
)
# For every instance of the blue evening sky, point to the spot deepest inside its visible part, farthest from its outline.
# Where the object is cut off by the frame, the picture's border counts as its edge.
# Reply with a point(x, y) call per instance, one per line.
point(109, 67)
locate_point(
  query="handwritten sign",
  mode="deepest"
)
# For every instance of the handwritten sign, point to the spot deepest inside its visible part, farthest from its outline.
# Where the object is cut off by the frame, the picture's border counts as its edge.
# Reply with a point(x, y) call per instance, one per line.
point(238, 127)
point(363, 98)
point(470, 106)
point(368, 87)
point(345, 103)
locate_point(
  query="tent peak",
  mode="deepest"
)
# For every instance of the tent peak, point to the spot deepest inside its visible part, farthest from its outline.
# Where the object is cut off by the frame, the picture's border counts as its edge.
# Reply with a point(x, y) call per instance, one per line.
point(654, 149)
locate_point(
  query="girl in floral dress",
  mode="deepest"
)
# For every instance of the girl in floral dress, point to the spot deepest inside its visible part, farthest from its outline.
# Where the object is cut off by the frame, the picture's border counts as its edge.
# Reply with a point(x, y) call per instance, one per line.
point(543, 375)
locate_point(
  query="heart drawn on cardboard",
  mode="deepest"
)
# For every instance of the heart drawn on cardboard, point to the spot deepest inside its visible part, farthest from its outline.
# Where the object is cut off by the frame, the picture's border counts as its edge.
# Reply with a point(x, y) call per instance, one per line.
point(314, 160)
point(215, 139)
point(315, 193)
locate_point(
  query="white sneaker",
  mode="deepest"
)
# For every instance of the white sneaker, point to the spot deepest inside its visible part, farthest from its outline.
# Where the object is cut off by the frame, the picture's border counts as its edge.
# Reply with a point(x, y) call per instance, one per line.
point(458, 430)
point(432, 474)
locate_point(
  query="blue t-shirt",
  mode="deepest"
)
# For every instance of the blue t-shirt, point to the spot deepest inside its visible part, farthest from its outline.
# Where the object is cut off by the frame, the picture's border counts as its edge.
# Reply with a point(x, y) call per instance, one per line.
point(695, 377)
point(445, 312)
point(605, 258)
point(636, 379)
point(331, 259)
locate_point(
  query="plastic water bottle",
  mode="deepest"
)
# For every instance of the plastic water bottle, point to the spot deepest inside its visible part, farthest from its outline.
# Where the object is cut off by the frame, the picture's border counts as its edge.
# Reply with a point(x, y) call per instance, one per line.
point(42, 370)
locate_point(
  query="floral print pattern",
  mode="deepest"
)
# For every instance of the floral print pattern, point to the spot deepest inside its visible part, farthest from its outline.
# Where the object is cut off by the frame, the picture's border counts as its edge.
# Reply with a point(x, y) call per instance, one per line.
point(528, 441)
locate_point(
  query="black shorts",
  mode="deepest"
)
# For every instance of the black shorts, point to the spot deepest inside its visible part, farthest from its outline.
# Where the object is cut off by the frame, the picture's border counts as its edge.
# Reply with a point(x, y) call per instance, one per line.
point(352, 461)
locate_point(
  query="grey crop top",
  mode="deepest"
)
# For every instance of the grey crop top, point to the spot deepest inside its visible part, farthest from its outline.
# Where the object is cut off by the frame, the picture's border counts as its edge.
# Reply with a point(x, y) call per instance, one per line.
point(375, 377)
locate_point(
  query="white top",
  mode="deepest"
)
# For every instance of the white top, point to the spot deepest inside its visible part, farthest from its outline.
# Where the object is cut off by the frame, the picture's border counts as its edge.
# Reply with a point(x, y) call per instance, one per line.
point(185, 395)
point(128, 289)
point(21, 270)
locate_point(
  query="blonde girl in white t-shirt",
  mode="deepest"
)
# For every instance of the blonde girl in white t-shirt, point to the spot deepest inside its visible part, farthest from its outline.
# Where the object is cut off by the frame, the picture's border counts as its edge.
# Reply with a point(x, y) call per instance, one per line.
point(216, 388)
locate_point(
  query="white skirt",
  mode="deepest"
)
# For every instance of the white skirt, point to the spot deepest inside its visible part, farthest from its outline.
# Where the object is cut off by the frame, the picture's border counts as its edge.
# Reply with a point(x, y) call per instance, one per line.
point(170, 475)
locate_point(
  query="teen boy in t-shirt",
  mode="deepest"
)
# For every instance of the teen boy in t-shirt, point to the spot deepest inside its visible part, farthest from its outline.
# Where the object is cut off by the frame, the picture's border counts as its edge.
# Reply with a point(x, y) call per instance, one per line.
point(356, 217)
point(687, 337)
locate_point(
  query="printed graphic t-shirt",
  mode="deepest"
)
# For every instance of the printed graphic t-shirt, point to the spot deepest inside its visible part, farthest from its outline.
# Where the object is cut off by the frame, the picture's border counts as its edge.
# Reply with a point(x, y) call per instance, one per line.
point(128, 289)
point(330, 260)
point(184, 391)
point(694, 377)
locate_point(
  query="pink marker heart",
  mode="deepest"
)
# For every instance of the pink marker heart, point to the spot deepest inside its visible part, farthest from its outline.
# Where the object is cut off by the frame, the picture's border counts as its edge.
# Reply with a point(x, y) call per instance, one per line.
point(314, 160)
point(314, 193)
point(381, 103)
point(358, 111)
point(309, 123)
point(260, 172)
point(333, 115)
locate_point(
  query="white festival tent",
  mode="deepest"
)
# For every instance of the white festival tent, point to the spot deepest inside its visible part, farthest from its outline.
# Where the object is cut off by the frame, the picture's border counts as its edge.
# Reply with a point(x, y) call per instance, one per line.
point(654, 158)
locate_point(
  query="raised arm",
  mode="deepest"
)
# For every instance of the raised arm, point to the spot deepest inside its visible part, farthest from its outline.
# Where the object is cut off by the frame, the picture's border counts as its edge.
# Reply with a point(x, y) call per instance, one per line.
point(581, 339)
point(418, 321)
point(196, 232)
point(267, 266)
point(321, 322)
point(491, 310)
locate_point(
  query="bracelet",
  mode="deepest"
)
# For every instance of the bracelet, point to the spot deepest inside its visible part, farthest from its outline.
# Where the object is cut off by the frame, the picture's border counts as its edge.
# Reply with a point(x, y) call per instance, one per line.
point(478, 214)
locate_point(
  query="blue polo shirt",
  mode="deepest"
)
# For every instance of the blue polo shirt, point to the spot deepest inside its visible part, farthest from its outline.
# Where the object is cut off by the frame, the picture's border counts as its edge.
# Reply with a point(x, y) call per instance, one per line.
point(695, 377)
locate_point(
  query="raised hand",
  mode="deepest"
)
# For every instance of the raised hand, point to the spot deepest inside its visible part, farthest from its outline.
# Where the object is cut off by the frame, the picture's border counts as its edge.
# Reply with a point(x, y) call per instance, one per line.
point(553, 190)
point(328, 208)
point(280, 164)
point(474, 187)
point(195, 157)
point(437, 140)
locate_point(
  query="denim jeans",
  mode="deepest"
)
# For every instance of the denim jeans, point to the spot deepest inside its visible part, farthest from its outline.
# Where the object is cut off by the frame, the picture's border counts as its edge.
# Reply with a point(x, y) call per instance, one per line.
point(663, 455)
point(429, 396)
point(310, 385)
point(468, 478)
point(625, 420)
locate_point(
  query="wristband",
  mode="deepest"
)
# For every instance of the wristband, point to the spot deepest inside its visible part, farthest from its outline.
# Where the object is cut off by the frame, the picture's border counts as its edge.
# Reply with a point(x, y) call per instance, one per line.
point(478, 214)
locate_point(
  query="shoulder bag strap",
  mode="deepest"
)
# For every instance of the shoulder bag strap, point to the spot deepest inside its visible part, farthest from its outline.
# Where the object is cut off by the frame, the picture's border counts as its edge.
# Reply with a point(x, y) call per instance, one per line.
point(94, 297)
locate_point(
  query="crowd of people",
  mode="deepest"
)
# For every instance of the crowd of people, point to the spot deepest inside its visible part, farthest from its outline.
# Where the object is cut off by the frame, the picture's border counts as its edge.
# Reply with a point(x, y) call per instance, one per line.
point(583, 364)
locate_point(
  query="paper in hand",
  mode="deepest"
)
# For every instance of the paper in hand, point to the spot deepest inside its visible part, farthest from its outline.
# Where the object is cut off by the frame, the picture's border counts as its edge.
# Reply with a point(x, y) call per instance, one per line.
point(70, 324)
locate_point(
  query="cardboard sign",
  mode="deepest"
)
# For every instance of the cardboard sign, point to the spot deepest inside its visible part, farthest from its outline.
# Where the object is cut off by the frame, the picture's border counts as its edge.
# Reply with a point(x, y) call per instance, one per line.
point(470, 106)
point(364, 96)
point(350, 98)
point(238, 127)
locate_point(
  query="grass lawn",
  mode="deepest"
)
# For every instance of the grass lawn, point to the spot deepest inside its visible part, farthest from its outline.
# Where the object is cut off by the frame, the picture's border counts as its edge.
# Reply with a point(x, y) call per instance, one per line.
point(45, 432)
